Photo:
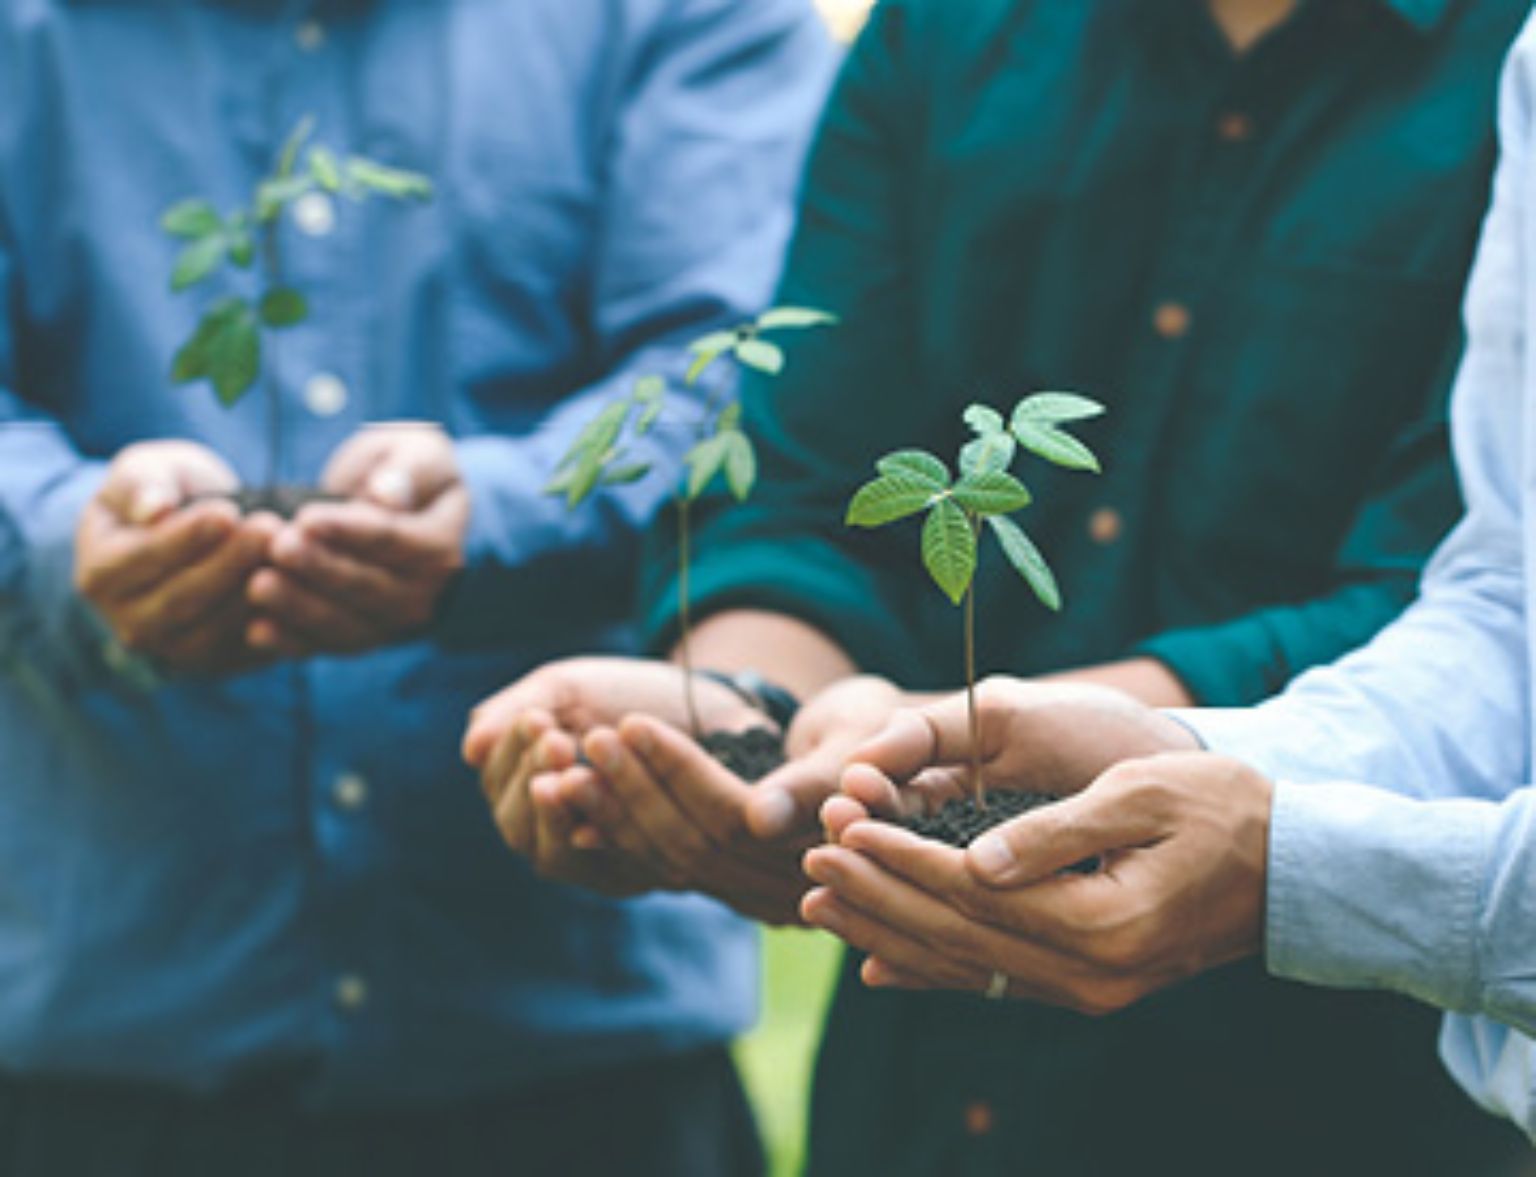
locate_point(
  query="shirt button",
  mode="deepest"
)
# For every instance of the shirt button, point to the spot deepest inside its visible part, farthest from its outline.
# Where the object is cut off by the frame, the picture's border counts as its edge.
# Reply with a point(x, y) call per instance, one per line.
point(350, 792)
point(978, 1118)
point(1105, 526)
point(1171, 320)
point(1234, 127)
point(310, 35)
point(315, 214)
point(325, 395)
point(351, 993)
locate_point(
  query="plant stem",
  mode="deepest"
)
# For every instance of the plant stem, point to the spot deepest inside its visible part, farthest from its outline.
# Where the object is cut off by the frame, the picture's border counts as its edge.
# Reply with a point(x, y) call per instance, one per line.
point(684, 621)
point(271, 261)
point(970, 696)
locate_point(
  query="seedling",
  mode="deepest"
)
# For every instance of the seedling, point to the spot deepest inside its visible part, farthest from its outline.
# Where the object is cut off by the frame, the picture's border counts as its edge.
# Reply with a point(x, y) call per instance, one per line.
point(600, 455)
point(225, 349)
point(913, 482)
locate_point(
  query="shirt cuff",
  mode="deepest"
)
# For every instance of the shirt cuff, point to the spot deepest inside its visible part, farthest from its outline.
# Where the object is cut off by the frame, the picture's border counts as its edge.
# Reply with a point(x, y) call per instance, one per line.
point(1368, 889)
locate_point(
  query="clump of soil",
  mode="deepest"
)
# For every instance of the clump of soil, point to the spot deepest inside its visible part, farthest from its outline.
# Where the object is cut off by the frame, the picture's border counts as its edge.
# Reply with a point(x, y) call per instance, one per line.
point(750, 754)
point(961, 821)
point(282, 501)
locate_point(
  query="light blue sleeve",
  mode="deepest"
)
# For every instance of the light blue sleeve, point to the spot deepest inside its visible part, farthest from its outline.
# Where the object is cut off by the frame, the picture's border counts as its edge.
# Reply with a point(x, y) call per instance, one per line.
point(1425, 882)
point(698, 209)
point(46, 631)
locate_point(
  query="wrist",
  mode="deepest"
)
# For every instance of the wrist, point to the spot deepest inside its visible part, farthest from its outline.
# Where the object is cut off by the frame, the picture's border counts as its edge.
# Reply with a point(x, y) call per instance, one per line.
point(770, 699)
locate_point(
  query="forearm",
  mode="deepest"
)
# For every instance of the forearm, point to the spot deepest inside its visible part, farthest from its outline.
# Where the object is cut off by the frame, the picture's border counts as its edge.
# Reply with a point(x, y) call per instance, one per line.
point(1145, 679)
point(785, 650)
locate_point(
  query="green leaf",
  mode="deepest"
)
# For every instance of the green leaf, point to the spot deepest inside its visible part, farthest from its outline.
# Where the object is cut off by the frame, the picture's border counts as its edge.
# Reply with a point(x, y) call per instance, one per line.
point(1056, 408)
point(704, 462)
point(1050, 443)
point(198, 260)
point(242, 246)
point(984, 419)
point(289, 155)
point(918, 464)
point(714, 343)
point(234, 354)
point(191, 360)
point(395, 183)
point(949, 548)
point(324, 168)
point(740, 464)
point(272, 196)
point(888, 498)
point(990, 492)
point(623, 475)
point(192, 219)
point(584, 479)
point(762, 355)
point(702, 359)
point(777, 318)
point(283, 306)
point(1025, 557)
point(729, 418)
point(650, 394)
point(989, 452)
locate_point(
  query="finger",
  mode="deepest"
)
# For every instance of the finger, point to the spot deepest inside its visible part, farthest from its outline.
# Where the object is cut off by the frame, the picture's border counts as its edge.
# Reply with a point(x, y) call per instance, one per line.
point(1093, 823)
point(823, 908)
point(214, 644)
point(875, 791)
point(839, 813)
point(148, 482)
point(119, 563)
point(505, 755)
point(368, 532)
point(712, 797)
point(332, 573)
point(916, 737)
point(664, 831)
point(788, 800)
point(317, 621)
point(191, 595)
point(490, 721)
point(879, 973)
point(349, 467)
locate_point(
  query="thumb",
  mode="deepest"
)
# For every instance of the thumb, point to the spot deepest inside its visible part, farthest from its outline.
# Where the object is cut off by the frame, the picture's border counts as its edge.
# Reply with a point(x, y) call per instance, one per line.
point(392, 485)
point(1043, 842)
point(789, 799)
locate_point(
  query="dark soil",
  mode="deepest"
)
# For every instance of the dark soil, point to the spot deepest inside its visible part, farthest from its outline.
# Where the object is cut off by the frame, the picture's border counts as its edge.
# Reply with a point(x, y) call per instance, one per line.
point(961, 821)
point(282, 501)
point(751, 754)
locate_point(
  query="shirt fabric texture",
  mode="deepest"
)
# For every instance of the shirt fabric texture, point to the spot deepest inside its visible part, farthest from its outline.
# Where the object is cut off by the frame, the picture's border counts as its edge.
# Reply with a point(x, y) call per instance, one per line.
point(1422, 880)
point(1255, 264)
point(292, 870)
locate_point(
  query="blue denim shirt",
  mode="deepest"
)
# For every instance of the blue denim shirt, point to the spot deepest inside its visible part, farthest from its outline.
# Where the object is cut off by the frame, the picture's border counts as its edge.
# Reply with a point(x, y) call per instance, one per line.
point(1423, 878)
point(202, 878)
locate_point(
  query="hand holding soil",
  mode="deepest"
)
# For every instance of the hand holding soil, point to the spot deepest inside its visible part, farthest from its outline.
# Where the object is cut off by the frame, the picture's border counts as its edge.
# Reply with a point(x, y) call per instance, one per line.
point(368, 570)
point(1183, 839)
point(169, 579)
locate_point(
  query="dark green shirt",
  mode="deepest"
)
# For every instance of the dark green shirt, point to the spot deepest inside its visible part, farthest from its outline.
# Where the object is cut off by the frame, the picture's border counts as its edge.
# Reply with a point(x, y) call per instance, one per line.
point(1256, 264)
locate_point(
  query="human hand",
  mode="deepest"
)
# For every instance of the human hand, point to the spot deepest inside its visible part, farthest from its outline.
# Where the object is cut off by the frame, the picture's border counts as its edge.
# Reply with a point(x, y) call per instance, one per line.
point(169, 578)
point(356, 575)
point(525, 741)
point(1183, 845)
point(1042, 738)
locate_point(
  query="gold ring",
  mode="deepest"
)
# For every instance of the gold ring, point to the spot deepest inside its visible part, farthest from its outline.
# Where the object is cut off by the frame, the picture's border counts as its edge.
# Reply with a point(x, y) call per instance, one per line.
point(997, 987)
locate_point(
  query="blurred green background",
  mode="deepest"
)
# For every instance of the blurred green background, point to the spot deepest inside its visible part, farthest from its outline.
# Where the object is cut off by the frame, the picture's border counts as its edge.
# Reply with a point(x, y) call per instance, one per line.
point(799, 968)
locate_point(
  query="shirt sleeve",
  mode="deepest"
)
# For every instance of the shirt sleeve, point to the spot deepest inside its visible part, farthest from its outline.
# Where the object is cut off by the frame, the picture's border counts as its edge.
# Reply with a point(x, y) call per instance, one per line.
point(1425, 882)
point(697, 210)
point(46, 631)
point(1411, 503)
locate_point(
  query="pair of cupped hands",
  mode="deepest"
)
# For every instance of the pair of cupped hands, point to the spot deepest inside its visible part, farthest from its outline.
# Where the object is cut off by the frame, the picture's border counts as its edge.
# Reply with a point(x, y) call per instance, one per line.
point(179, 575)
point(594, 778)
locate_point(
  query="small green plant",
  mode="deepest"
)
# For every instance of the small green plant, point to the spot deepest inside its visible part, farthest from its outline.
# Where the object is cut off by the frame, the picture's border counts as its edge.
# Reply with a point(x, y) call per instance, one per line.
point(985, 495)
point(600, 455)
point(225, 349)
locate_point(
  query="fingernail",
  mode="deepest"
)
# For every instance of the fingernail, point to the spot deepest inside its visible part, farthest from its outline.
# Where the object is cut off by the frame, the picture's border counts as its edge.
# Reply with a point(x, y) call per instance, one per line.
point(773, 812)
point(151, 502)
point(288, 545)
point(992, 855)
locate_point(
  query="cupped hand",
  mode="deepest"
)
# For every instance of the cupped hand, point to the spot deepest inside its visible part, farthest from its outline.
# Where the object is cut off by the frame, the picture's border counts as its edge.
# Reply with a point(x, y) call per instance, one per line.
point(1183, 842)
point(367, 572)
point(166, 568)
